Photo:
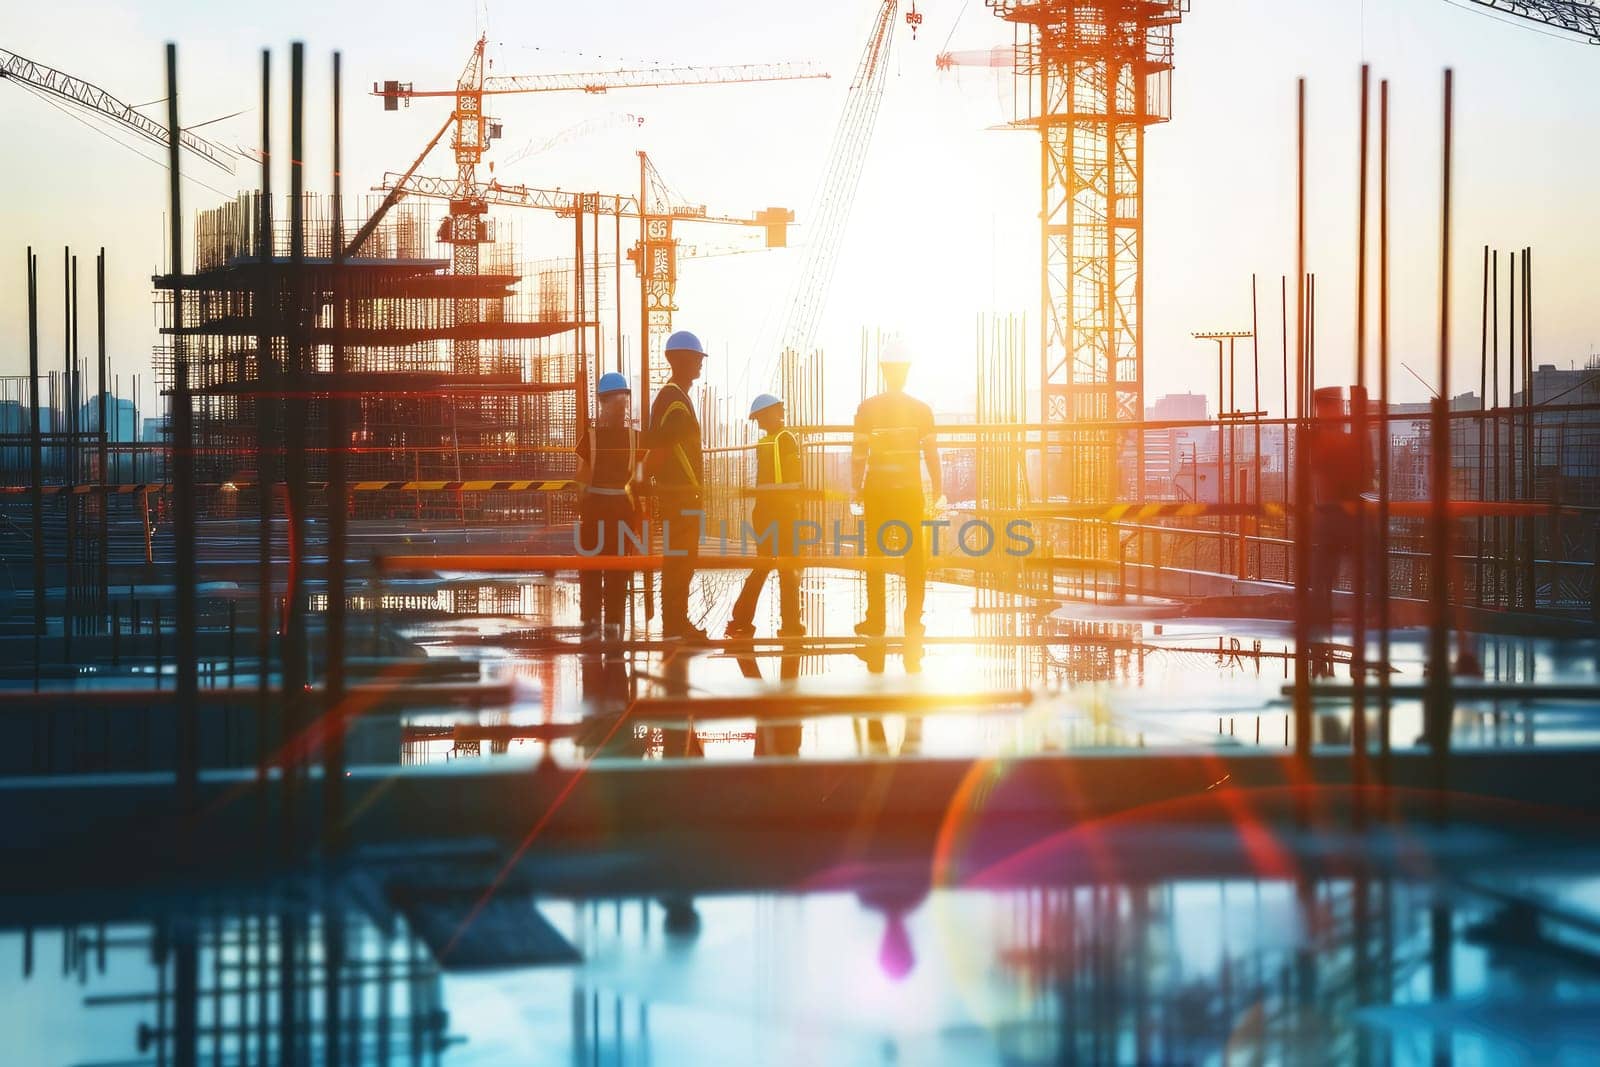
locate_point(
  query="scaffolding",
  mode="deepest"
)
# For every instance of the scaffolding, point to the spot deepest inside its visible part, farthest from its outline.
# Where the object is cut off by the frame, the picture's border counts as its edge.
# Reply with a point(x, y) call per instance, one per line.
point(258, 324)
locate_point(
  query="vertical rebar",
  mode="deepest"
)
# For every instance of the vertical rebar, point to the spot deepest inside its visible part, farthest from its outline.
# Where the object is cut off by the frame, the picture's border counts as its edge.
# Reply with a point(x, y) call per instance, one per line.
point(337, 504)
point(1302, 543)
point(1483, 421)
point(265, 297)
point(182, 476)
point(1438, 702)
point(36, 464)
point(294, 441)
point(68, 436)
point(1384, 650)
point(103, 443)
point(1529, 481)
point(1358, 428)
point(1501, 595)
point(1255, 360)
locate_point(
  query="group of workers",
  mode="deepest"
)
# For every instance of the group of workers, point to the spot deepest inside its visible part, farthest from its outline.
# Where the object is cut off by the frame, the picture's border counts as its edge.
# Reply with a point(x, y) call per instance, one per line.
point(619, 467)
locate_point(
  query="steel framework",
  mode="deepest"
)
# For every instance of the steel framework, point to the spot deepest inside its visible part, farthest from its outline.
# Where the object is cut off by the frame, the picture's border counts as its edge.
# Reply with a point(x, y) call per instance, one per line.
point(1097, 74)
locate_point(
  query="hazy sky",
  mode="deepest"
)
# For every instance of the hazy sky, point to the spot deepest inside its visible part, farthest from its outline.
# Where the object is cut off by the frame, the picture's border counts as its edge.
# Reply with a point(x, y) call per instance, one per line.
point(945, 220)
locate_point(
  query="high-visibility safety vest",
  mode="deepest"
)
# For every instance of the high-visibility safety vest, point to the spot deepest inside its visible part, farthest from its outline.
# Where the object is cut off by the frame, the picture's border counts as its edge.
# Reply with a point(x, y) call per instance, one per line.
point(778, 472)
point(611, 478)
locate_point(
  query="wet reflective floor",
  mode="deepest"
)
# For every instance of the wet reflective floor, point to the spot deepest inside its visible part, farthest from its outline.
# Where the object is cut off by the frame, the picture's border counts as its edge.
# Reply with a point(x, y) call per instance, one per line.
point(1091, 948)
point(1506, 970)
point(1099, 675)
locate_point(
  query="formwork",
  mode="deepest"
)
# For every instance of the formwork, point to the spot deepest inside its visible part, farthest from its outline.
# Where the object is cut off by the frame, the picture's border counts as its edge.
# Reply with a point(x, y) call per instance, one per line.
point(449, 378)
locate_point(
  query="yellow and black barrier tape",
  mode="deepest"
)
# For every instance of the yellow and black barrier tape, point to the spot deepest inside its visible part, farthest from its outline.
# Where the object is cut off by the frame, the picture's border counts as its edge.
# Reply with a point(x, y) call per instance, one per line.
point(477, 486)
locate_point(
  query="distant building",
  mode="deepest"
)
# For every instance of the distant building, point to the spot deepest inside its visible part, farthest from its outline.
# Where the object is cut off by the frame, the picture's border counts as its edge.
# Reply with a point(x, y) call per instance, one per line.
point(1565, 439)
point(1171, 455)
point(124, 419)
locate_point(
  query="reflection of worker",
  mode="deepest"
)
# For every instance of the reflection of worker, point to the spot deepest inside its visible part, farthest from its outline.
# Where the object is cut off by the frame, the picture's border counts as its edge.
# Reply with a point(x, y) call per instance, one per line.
point(1339, 473)
point(608, 460)
point(893, 438)
point(776, 511)
point(677, 469)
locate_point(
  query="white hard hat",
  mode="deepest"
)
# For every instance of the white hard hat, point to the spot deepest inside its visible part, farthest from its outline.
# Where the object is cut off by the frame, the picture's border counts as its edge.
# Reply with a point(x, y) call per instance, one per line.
point(763, 402)
point(896, 352)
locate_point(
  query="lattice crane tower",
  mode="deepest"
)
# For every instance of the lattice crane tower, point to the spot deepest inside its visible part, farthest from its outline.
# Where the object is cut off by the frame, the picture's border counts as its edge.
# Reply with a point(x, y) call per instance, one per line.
point(1098, 74)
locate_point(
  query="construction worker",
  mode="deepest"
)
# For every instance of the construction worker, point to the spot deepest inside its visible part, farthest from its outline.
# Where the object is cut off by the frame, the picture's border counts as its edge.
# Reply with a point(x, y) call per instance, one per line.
point(610, 458)
point(1340, 470)
point(776, 511)
point(676, 468)
point(893, 439)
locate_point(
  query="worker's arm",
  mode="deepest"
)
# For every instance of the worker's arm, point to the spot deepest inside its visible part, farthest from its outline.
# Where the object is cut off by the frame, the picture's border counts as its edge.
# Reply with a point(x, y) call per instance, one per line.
point(676, 427)
point(858, 455)
point(585, 475)
point(930, 456)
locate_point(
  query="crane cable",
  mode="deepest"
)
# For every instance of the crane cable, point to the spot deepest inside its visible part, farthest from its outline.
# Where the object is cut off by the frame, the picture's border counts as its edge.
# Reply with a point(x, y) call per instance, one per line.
point(74, 116)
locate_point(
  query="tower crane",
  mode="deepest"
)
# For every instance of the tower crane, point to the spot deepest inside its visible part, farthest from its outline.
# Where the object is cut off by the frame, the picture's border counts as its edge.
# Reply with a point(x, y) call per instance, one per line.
point(654, 257)
point(836, 192)
point(473, 131)
point(27, 72)
point(1579, 17)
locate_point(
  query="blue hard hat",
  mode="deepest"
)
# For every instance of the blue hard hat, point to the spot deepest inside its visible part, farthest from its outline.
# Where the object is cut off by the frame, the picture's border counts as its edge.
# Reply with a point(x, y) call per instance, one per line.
point(611, 382)
point(684, 341)
point(763, 402)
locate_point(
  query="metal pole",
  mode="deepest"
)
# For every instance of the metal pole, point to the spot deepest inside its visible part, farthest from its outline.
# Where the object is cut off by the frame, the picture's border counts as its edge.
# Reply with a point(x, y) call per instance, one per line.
point(1483, 421)
point(183, 503)
point(266, 381)
point(67, 435)
point(1384, 649)
point(1530, 487)
point(294, 440)
point(1501, 595)
point(1302, 543)
point(105, 452)
point(36, 464)
point(1438, 705)
point(1358, 427)
point(333, 766)
point(1255, 358)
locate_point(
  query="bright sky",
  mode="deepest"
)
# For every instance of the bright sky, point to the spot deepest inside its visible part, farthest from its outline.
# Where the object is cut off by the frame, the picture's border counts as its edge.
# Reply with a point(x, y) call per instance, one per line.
point(944, 226)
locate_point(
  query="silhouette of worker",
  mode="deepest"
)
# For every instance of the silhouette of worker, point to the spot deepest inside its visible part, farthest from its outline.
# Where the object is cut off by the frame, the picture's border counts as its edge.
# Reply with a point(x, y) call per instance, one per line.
point(773, 518)
point(1339, 474)
point(893, 439)
point(677, 469)
point(609, 456)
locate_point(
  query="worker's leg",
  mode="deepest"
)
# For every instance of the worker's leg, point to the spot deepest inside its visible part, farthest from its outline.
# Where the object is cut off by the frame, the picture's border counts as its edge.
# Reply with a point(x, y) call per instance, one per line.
point(876, 515)
point(766, 533)
point(682, 543)
point(744, 609)
point(788, 578)
point(590, 534)
point(615, 599)
point(916, 564)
